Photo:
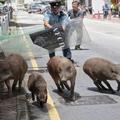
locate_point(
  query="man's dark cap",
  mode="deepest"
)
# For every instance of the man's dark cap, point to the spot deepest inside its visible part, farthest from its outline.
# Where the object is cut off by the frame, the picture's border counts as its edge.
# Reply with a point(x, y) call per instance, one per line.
point(55, 4)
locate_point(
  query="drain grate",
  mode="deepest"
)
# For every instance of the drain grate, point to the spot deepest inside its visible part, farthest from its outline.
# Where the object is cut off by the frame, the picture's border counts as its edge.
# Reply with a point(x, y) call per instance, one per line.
point(90, 100)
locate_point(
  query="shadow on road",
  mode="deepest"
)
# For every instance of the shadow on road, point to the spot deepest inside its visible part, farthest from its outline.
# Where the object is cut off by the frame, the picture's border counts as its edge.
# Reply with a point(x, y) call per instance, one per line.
point(43, 109)
point(80, 49)
point(4, 94)
point(66, 95)
point(27, 25)
point(105, 92)
point(13, 23)
point(8, 104)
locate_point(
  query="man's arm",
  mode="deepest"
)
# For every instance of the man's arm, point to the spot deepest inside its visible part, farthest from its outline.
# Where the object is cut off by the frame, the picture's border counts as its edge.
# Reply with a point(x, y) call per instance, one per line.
point(47, 25)
point(65, 21)
point(46, 20)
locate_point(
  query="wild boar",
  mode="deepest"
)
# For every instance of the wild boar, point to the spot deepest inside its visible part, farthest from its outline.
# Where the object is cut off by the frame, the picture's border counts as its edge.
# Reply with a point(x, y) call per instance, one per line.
point(101, 70)
point(62, 70)
point(18, 67)
point(13, 67)
point(38, 87)
point(5, 74)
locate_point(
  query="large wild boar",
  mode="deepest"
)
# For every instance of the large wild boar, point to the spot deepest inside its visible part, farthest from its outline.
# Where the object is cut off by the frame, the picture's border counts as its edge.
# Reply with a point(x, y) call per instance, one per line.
point(5, 74)
point(13, 67)
point(101, 70)
point(62, 69)
point(38, 87)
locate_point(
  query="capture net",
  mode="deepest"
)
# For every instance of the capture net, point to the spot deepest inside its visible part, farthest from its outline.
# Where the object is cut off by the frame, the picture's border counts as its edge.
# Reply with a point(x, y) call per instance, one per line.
point(77, 33)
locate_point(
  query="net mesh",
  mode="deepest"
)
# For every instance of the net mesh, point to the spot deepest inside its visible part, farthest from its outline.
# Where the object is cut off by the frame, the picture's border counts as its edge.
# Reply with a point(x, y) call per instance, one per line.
point(77, 33)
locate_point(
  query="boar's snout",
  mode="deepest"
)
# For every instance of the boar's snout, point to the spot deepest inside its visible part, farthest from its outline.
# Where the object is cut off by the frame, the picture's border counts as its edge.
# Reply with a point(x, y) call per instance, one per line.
point(42, 96)
point(62, 77)
point(66, 73)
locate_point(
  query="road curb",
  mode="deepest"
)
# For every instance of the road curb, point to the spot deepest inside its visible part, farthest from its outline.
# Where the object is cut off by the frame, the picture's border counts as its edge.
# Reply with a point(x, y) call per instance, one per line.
point(22, 103)
point(22, 108)
point(113, 20)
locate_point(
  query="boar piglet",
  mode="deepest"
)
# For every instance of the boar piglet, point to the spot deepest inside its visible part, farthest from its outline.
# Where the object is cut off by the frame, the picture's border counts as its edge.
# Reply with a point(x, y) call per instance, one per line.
point(5, 74)
point(38, 87)
point(100, 70)
point(62, 70)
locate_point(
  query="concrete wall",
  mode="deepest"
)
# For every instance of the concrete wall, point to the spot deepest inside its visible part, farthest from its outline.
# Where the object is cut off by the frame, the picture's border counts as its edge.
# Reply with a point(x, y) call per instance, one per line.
point(97, 5)
point(20, 1)
point(69, 4)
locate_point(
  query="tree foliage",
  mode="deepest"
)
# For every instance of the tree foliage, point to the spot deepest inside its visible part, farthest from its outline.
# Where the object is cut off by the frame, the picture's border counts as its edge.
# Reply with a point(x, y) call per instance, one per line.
point(2, 1)
point(63, 2)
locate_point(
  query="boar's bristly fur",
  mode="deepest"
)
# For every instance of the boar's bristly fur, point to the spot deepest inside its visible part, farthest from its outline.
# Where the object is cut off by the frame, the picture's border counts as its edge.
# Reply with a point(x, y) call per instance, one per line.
point(13, 67)
point(38, 87)
point(100, 70)
point(62, 70)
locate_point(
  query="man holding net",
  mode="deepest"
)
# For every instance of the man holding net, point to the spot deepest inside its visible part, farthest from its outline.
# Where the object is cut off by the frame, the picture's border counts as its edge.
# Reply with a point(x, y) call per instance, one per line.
point(54, 18)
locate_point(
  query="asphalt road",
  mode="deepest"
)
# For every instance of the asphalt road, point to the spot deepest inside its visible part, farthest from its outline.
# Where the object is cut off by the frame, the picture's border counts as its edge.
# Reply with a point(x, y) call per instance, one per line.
point(90, 104)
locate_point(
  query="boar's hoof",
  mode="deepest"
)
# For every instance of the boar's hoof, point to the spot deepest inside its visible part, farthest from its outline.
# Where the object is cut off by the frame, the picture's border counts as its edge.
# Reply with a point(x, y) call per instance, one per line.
point(105, 89)
point(113, 92)
point(72, 98)
point(41, 104)
point(13, 89)
point(118, 90)
point(19, 90)
point(10, 94)
point(101, 91)
point(60, 90)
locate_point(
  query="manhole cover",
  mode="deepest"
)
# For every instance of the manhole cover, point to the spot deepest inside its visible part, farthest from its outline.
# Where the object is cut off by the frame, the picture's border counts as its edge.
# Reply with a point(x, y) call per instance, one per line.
point(89, 100)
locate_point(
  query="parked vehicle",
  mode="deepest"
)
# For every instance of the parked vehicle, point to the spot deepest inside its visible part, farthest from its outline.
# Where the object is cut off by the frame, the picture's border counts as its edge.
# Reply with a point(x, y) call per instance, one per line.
point(38, 7)
point(44, 6)
point(4, 8)
point(34, 9)
point(1, 8)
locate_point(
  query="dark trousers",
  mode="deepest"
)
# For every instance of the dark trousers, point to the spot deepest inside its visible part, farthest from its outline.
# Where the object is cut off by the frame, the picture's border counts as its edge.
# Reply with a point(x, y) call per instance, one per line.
point(66, 53)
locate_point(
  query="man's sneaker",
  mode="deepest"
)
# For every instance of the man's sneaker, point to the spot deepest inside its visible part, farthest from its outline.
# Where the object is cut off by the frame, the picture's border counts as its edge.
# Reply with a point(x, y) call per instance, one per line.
point(77, 47)
point(72, 61)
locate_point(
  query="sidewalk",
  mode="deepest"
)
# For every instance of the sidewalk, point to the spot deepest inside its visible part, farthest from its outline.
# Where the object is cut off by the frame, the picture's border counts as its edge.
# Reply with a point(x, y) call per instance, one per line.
point(10, 32)
point(100, 17)
point(13, 107)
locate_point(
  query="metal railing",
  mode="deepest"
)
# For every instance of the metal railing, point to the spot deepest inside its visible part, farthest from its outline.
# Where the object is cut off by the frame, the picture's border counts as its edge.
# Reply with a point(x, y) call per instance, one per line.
point(5, 16)
point(4, 22)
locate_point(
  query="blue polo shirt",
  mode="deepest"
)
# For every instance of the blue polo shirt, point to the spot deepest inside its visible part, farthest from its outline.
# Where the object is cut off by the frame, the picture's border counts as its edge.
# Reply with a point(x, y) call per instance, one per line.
point(59, 19)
